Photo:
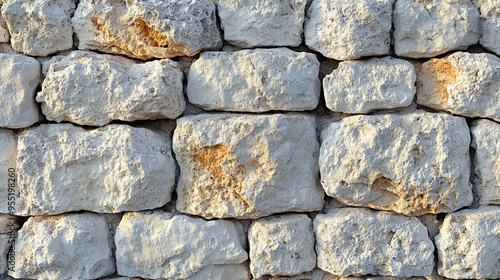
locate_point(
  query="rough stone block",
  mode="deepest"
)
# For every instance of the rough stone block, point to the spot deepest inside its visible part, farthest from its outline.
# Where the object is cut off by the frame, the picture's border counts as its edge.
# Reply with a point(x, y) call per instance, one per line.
point(413, 163)
point(345, 29)
point(257, 23)
point(4, 31)
point(115, 168)
point(486, 162)
point(281, 245)
point(8, 155)
point(19, 78)
point(255, 81)
point(466, 84)
point(468, 244)
point(356, 241)
point(147, 28)
point(158, 245)
point(39, 27)
point(71, 246)
point(121, 89)
point(490, 24)
point(427, 28)
point(367, 85)
point(247, 166)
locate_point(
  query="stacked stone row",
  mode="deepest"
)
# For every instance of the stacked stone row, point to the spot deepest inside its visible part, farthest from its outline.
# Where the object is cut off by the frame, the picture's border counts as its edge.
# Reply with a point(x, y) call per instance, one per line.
point(117, 176)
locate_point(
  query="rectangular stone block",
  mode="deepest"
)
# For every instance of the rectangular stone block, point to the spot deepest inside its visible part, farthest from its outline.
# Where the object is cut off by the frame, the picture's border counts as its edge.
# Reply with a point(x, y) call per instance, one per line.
point(121, 89)
point(70, 246)
point(490, 24)
point(413, 163)
point(247, 166)
point(111, 169)
point(255, 81)
point(357, 241)
point(161, 245)
point(468, 244)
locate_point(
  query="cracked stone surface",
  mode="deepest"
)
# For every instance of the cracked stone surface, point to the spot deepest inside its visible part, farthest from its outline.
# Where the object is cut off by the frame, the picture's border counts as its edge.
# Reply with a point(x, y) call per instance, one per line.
point(255, 80)
point(121, 89)
point(147, 28)
point(427, 28)
point(247, 166)
point(413, 163)
point(115, 168)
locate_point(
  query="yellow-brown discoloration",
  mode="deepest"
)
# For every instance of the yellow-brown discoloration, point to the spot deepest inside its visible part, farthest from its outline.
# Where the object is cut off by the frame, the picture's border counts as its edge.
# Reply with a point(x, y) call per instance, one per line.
point(224, 184)
point(156, 39)
point(442, 73)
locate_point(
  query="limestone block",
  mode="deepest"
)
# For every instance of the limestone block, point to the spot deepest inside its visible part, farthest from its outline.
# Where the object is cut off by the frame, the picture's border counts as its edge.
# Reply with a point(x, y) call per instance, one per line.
point(490, 24)
point(366, 85)
point(427, 28)
point(413, 163)
point(357, 241)
point(345, 29)
point(256, 23)
point(486, 162)
point(162, 245)
point(315, 274)
point(19, 78)
point(246, 166)
point(255, 81)
point(70, 246)
point(121, 89)
point(466, 84)
point(115, 168)
point(468, 244)
point(8, 223)
point(8, 174)
point(39, 27)
point(4, 31)
point(147, 28)
point(281, 245)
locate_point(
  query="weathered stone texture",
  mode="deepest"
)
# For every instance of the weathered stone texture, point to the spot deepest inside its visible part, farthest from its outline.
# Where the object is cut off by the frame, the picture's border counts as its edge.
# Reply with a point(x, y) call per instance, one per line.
point(427, 28)
point(158, 245)
point(255, 80)
point(281, 245)
point(19, 78)
point(8, 155)
point(39, 27)
point(468, 244)
point(116, 168)
point(345, 29)
point(354, 241)
point(466, 84)
point(490, 24)
point(413, 163)
point(486, 162)
point(71, 246)
point(4, 31)
point(367, 85)
point(147, 28)
point(120, 89)
point(247, 166)
point(257, 23)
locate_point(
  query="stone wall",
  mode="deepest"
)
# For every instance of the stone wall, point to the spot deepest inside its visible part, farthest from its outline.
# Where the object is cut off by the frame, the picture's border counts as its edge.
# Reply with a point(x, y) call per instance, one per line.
point(250, 139)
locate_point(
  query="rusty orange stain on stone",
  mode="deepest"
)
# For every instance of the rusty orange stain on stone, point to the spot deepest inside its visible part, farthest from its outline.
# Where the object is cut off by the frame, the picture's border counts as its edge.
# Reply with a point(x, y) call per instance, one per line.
point(443, 73)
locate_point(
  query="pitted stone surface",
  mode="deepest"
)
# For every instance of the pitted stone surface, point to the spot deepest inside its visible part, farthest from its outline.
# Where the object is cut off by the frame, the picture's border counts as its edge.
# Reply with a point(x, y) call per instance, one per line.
point(281, 245)
point(427, 28)
point(466, 84)
point(255, 80)
point(121, 89)
point(490, 24)
point(111, 169)
point(256, 23)
point(367, 85)
point(39, 27)
point(356, 241)
point(71, 246)
point(345, 29)
point(158, 245)
point(467, 244)
point(147, 28)
point(19, 78)
point(486, 162)
point(413, 163)
point(247, 166)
